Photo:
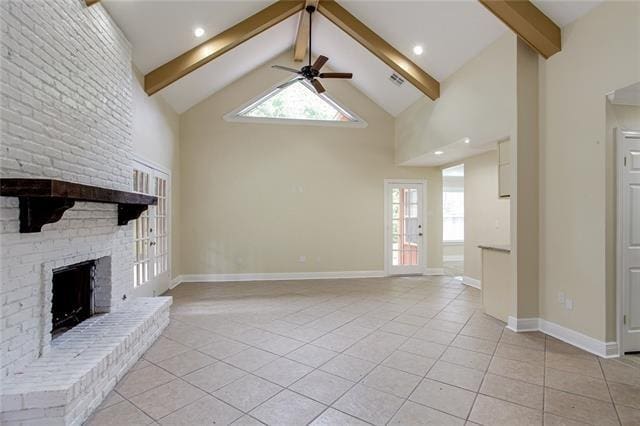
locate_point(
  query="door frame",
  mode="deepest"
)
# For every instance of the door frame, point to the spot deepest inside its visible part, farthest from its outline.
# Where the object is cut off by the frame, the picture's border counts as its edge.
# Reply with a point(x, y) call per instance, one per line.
point(143, 291)
point(619, 137)
point(387, 228)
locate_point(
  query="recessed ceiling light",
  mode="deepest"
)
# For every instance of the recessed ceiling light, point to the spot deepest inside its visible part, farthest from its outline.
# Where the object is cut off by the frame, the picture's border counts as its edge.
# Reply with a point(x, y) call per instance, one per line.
point(467, 140)
point(418, 50)
point(439, 152)
point(198, 32)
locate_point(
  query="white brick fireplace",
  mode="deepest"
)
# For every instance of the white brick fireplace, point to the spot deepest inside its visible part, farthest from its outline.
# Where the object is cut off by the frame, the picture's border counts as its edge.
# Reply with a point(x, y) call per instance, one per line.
point(66, 114)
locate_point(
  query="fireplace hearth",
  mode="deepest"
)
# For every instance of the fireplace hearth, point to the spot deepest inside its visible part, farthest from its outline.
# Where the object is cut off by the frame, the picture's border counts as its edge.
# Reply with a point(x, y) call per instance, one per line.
point(73, 296)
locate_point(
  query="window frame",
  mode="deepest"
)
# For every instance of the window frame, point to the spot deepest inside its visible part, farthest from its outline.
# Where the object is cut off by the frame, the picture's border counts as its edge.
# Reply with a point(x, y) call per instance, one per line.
point(235, 115)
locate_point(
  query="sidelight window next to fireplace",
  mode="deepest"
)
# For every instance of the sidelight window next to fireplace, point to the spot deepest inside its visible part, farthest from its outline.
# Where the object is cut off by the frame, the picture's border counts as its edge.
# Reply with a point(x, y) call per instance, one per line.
point(73, 296)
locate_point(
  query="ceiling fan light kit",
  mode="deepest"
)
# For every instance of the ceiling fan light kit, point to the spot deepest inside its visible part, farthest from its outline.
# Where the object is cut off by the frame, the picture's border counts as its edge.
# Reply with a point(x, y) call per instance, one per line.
point(311, 72)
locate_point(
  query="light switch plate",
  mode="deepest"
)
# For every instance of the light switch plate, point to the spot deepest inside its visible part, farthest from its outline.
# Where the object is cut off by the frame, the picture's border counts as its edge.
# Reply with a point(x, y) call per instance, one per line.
point(568, 304)
point(561, 297)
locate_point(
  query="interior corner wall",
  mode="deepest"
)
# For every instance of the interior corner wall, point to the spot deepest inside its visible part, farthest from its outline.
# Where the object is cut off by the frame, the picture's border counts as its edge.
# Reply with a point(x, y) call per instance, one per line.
point(486, 216)
point(282, 198)
point(600, 53)
point(156, 141)
point(476, 102)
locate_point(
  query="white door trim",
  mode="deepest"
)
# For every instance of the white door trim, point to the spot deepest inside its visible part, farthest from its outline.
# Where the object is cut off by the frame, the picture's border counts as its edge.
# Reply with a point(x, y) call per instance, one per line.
point(620, 135)
point(425, 221)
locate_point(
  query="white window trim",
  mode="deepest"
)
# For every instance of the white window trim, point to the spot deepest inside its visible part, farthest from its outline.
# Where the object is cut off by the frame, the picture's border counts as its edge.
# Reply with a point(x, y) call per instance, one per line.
point(234, 116)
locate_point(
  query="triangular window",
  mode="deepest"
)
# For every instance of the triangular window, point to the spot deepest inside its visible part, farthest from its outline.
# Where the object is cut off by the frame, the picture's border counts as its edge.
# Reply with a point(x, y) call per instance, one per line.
point(298, 101)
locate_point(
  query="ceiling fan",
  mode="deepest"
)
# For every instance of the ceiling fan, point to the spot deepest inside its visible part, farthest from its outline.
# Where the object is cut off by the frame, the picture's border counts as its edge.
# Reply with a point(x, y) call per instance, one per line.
point(311, 72)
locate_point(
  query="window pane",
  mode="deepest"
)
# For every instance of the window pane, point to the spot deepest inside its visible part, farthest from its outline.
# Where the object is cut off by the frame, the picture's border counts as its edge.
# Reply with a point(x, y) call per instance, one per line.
point(453, 216)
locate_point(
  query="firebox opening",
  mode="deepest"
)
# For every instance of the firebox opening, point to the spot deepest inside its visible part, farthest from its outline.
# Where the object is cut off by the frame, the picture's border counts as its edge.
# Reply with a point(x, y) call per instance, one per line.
point(73, 300)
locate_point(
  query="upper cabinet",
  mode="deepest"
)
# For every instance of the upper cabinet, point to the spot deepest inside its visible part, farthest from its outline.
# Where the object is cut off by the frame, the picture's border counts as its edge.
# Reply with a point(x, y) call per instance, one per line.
point(504, 168)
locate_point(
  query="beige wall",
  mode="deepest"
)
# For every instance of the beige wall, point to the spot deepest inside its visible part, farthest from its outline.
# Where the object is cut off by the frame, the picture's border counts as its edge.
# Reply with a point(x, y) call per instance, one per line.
point(261, 195)
point(600, 53)
point(475, 102)
point(486, 216)
point(156, 140)
point(617, 117)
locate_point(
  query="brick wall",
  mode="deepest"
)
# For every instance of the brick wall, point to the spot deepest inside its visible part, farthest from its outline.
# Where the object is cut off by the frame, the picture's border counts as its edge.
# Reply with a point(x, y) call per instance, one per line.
point(65, 113)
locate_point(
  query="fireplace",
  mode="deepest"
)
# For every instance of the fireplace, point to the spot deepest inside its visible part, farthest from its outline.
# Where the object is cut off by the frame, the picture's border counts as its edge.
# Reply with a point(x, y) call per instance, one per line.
point(73, 296)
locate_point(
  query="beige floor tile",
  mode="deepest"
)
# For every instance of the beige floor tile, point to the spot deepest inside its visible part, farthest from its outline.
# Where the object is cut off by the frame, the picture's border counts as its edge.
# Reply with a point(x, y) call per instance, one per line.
point(392, 381)
point(400, 328)
point(251, 359)
point(352, 330)
point(410, 363)
point(625, 394)
point(579, 408)
point(491, 411)
point(531, 340)
point(620, 372)
point(164, 348)
point(482, 332)
point(456, 375)
point(311, 355)
point(247, 392)
point(511, 390)
point(443, 397)
point(517, 370)
point(629, 416)
point(203, 412)
point(475, 360)
point(369, 404)
point(574, 364)
point(288, 408)
point(559, 347)
point(188, 335)
point(335, 342)
point(123, 413)
point(280, 345)
point(247, 420)
point(304, 334)
point(412, 414)
point(474, 344)
point(223, 348)
point(322, 387)
point(410, 319)
point(112, 398)
point(186, 363)
point(214, 377)
point(577, 383)
point(254, 336)
point(435, 336)
point(369, 351)
point(519, 353)
point(553, 420)
point(141, 380)
point(441, 325)
point(165, 399)
point(332, 417)
point(283, 371)
point(348, 367)
point(423, 348)
point(142, 363)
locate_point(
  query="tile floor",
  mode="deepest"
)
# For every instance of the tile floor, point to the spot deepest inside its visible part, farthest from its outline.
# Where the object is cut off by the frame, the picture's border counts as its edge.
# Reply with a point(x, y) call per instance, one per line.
point(398, 351)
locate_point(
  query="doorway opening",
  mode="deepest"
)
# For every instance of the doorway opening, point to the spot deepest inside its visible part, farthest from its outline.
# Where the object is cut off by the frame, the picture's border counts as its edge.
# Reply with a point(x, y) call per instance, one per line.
point(453, 221)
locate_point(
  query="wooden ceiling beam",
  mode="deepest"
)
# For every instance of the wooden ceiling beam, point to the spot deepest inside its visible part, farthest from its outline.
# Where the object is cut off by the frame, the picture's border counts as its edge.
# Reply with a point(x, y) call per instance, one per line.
point(302, 38)
point(529, 23)
point(209, 50)
point(380, 48)
point(91, 2)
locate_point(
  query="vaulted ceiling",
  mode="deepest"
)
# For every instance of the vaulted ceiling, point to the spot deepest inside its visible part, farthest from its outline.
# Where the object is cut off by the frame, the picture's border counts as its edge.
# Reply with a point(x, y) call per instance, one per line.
point(452, 32)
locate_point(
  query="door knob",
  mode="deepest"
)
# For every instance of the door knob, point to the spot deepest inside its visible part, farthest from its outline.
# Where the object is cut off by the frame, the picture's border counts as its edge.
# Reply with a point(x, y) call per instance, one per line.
point(420, 234)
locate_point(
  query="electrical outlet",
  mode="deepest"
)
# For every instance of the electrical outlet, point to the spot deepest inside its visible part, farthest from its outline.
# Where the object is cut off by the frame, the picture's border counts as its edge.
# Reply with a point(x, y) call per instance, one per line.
point(561, 297)
point(568, 303)
point(302, 259)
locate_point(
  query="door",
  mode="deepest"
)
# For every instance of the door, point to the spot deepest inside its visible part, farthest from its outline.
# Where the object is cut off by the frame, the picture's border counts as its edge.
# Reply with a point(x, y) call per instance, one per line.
point(629, 236)
point(151, 275)
point(404, 228)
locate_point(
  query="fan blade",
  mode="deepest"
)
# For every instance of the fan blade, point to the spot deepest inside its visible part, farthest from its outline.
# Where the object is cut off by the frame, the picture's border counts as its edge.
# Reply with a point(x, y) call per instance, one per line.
point(335, 75)
point(280, 67)
point(319, 63)
point(290, 82)
point(318, 86)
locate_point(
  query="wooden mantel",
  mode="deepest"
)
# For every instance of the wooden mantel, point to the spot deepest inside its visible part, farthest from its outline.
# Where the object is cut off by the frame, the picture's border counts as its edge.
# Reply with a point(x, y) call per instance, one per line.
point(44, 201)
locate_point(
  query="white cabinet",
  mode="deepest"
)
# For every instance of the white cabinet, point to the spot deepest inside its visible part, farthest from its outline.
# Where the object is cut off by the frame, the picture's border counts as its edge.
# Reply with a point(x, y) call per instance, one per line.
point(504, 169)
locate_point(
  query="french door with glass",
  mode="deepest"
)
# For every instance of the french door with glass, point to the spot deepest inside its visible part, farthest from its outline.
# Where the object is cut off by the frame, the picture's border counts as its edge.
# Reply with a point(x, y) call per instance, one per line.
point(404, 228)
point(151, 233)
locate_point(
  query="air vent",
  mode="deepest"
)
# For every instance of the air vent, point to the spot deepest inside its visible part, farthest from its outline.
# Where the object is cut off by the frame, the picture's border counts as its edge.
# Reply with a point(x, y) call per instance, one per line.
point(396, 79)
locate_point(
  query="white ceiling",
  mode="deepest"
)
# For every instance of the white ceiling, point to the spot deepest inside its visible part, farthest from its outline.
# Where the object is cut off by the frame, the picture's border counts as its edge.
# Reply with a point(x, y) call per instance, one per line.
point(452, 32)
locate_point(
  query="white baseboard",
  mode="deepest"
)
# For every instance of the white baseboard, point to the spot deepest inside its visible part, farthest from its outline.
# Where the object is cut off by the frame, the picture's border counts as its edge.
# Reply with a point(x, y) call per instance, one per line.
point(575, 338)
point(434, 271)
point(471, 282)
point(276, 276)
